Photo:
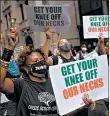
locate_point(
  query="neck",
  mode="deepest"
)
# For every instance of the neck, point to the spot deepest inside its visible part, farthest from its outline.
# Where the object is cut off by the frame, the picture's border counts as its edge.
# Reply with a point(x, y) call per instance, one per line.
point(66, 55)
point(37, 79)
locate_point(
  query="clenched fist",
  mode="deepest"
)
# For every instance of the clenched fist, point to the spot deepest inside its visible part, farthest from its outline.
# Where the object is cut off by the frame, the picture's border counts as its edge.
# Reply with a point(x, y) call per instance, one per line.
point(49, 32)
point(12, 37)
point(13, 33)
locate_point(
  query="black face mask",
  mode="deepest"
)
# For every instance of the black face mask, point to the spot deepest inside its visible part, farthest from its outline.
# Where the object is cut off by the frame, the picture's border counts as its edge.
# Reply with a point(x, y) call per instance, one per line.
point(38, 69)
point(65, 48)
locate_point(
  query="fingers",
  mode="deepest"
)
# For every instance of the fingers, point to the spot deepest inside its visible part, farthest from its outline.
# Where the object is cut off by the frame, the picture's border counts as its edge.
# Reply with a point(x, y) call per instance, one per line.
point(13, 33)
point(87, 101)
point(101, 37)
point(50, 29)
point(13, 30)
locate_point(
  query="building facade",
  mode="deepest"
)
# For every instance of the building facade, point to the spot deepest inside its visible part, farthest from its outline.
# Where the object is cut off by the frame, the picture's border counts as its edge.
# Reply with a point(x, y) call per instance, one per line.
point(17, 9)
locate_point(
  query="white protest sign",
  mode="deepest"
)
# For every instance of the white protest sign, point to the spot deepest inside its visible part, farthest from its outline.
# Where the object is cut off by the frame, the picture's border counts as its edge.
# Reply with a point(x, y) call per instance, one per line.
point(92, 54)
point(71, 81)
point(18, 49)
point(94, 26)
point(56, 16)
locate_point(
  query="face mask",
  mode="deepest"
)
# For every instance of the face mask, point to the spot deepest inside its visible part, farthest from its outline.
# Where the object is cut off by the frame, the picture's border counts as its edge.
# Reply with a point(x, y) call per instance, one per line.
point(84, 49)
point(38, 69)
point(65, 48)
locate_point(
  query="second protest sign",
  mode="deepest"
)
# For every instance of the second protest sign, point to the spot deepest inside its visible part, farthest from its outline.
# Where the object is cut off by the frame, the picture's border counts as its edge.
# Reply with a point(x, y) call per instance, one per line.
point(72, 81)
point(56, 16)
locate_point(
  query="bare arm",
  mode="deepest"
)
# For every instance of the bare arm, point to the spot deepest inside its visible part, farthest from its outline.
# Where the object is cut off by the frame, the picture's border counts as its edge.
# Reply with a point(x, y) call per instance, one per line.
point(101, 45)
point(45, 48)
point(7, 85)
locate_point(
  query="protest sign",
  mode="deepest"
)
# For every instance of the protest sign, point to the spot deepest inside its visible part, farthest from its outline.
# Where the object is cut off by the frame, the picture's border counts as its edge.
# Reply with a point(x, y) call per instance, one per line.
point(56, 16)
point(92, 54)
point(17, 50)
point(71, 81)
point(94, 26)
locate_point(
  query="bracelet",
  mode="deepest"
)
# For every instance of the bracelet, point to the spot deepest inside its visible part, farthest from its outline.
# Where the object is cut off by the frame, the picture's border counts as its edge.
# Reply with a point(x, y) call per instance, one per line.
point(1, 61)
point(4, 64)
point(7, 54)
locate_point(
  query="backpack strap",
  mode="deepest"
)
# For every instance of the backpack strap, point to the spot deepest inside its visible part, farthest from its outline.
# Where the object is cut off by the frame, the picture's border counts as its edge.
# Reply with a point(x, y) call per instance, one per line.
point(21, 99)
point(60, 61)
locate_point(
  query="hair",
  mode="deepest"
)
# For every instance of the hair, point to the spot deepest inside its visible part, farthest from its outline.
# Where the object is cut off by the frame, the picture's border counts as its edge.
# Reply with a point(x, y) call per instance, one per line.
point(22, 56)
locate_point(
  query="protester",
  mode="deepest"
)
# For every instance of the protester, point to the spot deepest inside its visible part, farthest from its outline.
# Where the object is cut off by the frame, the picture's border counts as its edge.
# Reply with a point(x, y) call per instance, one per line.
point(63, 47)
point(80, 55)
point(65, 53)
point(65, 56)
point(38, 96)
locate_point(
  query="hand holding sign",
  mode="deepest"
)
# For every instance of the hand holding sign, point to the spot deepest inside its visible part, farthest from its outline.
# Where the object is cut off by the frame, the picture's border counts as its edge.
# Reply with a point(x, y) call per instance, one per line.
point(49, 32)
point(88, 101)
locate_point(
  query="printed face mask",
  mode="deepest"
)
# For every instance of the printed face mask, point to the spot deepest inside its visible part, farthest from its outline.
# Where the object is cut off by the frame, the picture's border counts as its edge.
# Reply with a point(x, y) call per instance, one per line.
point(65, 48)
point(38, 69)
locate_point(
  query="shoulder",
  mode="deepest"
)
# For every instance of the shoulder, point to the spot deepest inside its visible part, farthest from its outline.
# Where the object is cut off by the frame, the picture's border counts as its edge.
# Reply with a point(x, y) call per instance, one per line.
point(17, 81)
point(18, 86)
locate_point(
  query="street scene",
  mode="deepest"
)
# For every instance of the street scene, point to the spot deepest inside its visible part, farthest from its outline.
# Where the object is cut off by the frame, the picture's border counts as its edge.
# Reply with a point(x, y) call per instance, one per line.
point(54, 58)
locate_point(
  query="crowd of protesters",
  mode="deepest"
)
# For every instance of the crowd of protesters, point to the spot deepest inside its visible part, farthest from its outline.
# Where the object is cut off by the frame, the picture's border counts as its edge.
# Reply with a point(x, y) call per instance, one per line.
point(24, 86)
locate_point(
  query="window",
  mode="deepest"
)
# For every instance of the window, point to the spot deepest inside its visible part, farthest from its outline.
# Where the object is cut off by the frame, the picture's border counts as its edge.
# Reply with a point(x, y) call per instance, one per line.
point(22, 13)
point(89, 5)
point(6, 21)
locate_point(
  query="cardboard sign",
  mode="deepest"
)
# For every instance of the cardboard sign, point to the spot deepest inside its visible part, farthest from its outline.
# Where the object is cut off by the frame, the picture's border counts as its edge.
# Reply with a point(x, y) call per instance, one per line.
point(56, 16)
point(77, 79)
point(94, 26)
point(92, 54)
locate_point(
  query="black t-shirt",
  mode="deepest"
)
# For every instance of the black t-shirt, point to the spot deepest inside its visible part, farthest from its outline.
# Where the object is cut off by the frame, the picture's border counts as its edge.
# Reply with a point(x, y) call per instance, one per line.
point(39, 98)
point(64, 60)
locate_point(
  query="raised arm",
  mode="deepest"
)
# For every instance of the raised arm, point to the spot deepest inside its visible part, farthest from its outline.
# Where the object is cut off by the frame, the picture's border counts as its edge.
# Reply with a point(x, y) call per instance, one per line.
point(45, 49)
point(2, 41)
point(101, 45)
point(6, 84)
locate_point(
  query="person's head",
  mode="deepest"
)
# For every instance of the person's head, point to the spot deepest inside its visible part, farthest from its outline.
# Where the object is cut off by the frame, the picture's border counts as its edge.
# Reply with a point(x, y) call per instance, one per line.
point(83, 47)
point(32, 63)
point(64, 46)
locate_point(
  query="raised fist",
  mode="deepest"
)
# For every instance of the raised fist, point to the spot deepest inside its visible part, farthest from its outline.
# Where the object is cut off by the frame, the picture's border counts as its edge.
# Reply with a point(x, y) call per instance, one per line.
point(49, 32)
point(12, 37)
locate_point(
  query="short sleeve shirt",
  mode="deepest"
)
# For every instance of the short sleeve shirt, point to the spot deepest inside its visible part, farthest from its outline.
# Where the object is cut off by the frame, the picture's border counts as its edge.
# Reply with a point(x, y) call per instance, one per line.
point(39, 98)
